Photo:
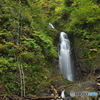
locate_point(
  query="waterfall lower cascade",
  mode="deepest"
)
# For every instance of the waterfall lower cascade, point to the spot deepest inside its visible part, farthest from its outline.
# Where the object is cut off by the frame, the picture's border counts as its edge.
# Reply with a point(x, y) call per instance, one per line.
point(62, 94)
point(65, 63)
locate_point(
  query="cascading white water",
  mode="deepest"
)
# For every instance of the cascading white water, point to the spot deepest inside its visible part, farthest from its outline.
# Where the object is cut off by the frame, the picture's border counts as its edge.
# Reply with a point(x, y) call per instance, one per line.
point(62, 94)
point(65, 64)
point(51, 26)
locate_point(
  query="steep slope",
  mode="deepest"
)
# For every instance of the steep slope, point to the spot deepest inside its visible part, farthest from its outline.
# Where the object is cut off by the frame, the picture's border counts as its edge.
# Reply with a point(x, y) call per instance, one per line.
point(27, 41)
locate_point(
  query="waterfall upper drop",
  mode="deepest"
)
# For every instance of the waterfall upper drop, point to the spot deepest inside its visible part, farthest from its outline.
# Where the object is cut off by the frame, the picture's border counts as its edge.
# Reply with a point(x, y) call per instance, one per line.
point(51, 26)
point(65, 63)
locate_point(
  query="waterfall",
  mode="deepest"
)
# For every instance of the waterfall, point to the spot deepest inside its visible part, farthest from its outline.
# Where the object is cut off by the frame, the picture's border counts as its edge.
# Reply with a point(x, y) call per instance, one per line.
point(50, 25)
point(65, 63)
point(62, 94)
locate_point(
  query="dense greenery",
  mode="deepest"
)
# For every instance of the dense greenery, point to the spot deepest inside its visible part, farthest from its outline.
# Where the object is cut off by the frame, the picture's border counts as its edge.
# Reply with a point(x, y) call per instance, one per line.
point(27, 40)
point(81, 19)
point(84, 24)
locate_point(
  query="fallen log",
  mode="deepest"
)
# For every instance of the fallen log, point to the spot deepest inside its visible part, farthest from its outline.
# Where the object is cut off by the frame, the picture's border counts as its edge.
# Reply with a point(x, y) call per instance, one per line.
point(47, 97)
point(64, 86)
point(34, 98)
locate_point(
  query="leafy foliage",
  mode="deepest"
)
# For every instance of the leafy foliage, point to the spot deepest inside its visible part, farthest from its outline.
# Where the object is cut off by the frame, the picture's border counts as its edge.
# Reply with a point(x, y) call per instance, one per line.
point(83, 23)
point(25, 40)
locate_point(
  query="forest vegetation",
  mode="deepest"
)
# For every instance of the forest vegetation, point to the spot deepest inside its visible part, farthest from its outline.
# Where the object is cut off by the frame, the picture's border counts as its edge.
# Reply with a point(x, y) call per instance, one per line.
point(27, 40)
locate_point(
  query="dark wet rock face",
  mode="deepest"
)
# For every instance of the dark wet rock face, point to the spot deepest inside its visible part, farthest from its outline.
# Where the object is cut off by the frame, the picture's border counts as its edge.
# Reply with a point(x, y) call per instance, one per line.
point(97, 71)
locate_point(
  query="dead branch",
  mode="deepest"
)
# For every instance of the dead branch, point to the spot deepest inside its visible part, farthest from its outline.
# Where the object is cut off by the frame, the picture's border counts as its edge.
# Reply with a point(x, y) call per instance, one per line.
point(64, 86)
point(4, 97)
point(54, 91)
